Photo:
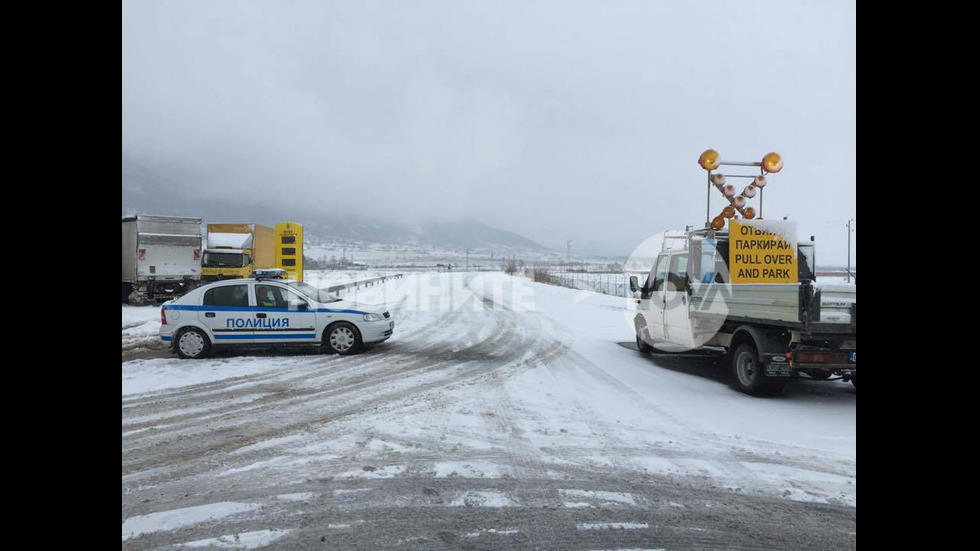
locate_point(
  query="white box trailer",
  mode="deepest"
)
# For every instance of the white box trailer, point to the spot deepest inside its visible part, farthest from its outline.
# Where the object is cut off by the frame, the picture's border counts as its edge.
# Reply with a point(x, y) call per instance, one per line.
point(161, 256)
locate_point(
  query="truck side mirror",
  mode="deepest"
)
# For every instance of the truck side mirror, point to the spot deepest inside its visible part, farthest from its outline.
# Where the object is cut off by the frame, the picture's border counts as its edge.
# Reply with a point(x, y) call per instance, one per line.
point(633, 284)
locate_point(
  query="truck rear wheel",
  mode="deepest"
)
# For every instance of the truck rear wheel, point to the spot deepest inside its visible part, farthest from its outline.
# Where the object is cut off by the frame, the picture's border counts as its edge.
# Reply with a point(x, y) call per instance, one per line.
point(137, 298)
point(750, 373)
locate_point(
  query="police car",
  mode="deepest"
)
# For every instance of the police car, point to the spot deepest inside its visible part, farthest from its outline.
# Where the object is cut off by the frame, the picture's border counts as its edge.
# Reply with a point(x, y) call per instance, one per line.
point(265, 311)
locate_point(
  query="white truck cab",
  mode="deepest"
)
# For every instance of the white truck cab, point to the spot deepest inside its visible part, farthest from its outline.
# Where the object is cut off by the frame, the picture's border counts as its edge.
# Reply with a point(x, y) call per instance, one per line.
point(663, 302)
point(265, 312)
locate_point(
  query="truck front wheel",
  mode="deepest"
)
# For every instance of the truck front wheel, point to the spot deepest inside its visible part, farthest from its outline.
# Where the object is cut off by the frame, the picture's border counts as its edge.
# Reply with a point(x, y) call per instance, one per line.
point(750, 373)
point(642, 345)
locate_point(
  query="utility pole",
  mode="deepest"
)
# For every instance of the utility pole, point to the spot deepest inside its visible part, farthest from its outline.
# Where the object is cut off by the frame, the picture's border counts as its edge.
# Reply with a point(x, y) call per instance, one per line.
point(467, 259)
point(849, 231)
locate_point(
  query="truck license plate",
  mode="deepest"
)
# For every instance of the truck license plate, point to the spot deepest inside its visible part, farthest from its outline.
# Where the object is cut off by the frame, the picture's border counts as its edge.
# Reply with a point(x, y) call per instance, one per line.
point(777, 370)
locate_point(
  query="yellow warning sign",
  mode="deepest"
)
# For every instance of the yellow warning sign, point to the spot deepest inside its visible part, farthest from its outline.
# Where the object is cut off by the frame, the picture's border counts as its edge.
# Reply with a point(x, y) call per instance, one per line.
point(762, 251)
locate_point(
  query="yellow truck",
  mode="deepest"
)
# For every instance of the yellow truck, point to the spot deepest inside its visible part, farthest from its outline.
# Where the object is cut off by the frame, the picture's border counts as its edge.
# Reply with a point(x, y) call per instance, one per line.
point(235, 250)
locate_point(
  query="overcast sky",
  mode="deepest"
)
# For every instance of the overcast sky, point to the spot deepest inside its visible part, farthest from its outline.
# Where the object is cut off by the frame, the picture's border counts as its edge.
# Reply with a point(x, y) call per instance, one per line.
point(558, 120)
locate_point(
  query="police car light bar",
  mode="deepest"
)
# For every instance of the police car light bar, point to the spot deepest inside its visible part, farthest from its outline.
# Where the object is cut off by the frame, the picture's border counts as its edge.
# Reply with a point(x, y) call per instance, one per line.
point(268, 273)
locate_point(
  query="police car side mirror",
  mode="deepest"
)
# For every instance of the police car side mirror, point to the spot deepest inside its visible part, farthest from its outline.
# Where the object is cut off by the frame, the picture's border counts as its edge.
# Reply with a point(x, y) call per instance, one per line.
point(298, 305)
point(633, 284)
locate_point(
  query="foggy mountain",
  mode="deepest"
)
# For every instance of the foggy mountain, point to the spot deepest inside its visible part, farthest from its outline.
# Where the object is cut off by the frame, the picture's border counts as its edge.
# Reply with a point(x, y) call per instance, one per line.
point(145, 192)
point(575, 124)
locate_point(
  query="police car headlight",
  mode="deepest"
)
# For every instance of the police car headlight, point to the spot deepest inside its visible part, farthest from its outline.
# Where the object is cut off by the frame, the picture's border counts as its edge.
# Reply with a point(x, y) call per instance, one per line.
point(372, 317)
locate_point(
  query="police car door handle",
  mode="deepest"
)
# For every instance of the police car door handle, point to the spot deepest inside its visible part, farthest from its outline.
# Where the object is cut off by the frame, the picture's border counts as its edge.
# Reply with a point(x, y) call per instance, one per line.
point(260, 315)
point(209, 314)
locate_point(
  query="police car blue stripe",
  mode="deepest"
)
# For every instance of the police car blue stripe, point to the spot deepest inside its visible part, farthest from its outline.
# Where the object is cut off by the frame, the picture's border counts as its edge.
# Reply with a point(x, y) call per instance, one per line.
point(267, 336)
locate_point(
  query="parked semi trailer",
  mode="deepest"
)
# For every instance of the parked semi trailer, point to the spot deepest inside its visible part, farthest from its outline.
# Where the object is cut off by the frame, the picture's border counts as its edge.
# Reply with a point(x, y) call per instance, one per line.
point(750, 290)
point(161, 257)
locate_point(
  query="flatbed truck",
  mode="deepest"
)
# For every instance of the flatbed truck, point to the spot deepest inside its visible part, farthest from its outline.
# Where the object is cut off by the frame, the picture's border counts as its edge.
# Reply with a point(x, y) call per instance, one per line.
point(751, 291)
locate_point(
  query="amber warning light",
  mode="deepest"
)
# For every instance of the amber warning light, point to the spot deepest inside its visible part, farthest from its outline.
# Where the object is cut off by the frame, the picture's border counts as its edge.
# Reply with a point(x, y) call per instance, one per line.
point(710, 160)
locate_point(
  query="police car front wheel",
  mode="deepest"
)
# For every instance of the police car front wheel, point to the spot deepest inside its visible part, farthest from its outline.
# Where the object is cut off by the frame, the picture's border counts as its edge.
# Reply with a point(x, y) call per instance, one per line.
point(193, 343)
point(343, 338)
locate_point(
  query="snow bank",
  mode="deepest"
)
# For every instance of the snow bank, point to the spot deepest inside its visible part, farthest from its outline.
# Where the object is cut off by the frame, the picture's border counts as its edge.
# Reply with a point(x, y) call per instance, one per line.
point(140, 320)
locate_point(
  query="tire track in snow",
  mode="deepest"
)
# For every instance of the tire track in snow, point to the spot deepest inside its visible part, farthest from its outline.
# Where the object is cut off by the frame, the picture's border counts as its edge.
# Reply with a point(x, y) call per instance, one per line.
point(503, 347)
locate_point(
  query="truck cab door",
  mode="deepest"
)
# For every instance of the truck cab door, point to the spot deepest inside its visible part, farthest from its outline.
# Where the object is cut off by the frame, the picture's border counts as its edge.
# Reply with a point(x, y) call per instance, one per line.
point(677, 318)
point(283, 316)
point(226, 311)
point(652, 300)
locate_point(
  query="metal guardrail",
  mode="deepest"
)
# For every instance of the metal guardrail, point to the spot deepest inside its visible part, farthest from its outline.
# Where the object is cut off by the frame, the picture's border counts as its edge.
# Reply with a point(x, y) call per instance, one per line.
point(361, 283)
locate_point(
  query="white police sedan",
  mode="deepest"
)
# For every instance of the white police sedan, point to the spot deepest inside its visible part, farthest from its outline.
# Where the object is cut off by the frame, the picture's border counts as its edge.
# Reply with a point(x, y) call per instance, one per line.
point(263, 312)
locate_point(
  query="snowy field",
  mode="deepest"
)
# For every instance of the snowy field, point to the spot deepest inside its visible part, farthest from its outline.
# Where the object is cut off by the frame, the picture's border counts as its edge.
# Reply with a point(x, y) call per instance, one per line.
point(501, 414)
point(393, 254)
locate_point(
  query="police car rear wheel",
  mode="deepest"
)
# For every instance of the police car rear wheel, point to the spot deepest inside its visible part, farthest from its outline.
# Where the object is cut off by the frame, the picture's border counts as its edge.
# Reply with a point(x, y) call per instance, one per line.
point(344, 338)
point(192, 343)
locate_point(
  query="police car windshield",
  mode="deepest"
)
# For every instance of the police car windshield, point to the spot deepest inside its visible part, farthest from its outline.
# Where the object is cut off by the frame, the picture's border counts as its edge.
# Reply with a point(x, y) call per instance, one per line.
point(318, 295)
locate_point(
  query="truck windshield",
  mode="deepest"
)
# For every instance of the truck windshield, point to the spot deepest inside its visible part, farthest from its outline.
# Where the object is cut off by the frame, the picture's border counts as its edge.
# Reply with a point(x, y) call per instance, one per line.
point(223, 260)
point(318, 295)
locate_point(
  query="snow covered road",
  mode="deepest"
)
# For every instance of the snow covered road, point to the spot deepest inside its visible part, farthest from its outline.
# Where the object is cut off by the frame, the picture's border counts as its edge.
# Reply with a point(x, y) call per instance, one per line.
point(502, 413)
